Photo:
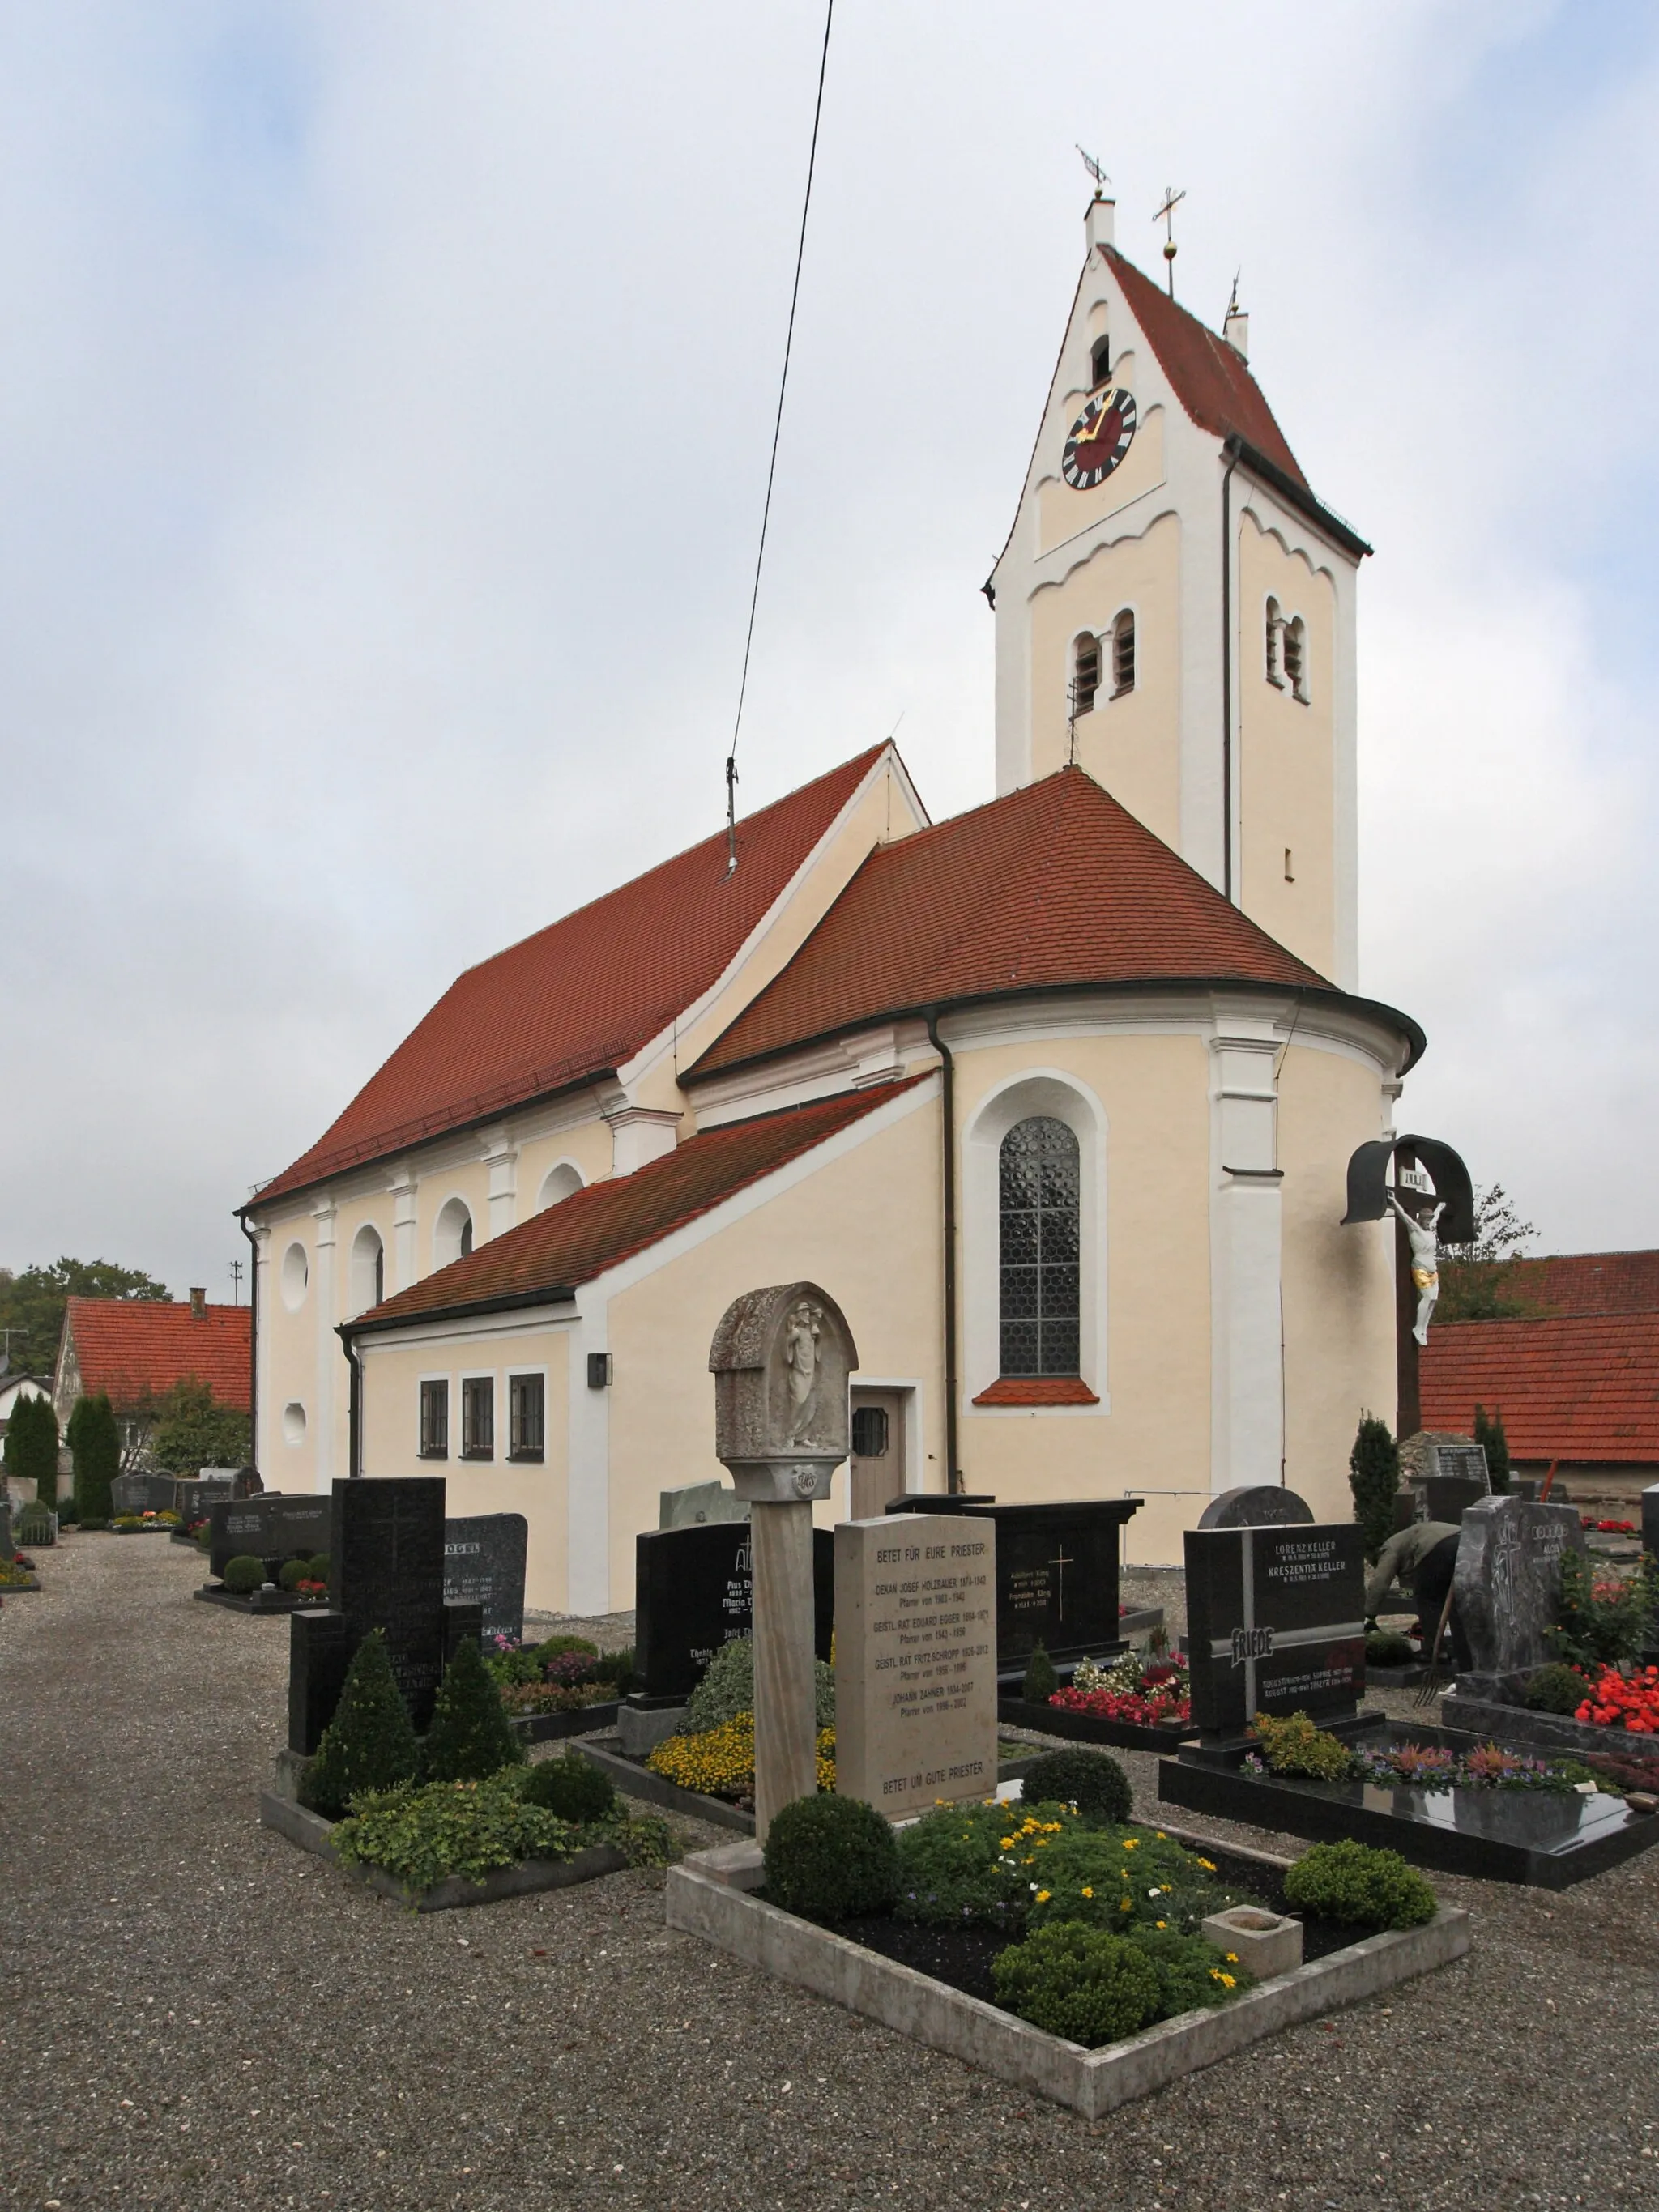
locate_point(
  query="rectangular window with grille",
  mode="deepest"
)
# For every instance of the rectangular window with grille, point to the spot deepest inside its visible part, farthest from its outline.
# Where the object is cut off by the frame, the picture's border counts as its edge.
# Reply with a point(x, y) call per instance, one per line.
point(477, 1417)
point(527, 1415)
point(434, 1420)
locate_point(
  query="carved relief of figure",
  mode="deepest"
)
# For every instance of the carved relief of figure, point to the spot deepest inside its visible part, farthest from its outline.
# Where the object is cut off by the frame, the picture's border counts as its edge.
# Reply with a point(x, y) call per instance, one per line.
point(801, 1331)
point(1425, 1263)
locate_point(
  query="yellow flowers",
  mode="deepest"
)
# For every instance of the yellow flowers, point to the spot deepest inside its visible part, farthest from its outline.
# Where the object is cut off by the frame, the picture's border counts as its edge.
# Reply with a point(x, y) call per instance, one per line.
point(1006, 1845)
point(1208, 1865)
point(1232, 1958)
point(1162, 1923)
point(1133, 1843)
point(1042, 1897)
point(1088, 1892)
point(720, 1762)
point(1227, 1981)
point(1125, 1905)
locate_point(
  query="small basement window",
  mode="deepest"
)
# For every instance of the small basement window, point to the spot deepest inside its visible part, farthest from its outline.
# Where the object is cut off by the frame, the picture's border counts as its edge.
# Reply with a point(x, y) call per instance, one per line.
point(434, 1420)
point(1123, 653)
point(477, 1417)
point(1085, 672)
point(526, 1413)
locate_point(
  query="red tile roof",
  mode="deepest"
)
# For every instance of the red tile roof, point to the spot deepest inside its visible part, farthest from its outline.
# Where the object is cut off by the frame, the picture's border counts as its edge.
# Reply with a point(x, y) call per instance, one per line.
point(598, 1227)
point(137, 1348)
point(1053, 886)
point(1582, 1387)
point(1210, 377)
point(582, 995)
point(1037, 1390)
point(1586, 1282)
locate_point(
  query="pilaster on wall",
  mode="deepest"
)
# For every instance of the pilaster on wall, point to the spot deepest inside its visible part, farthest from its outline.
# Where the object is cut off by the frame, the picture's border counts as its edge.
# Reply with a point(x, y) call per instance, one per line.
point(265, 1441)
point(1248, 1404)
point(640, 1135)
point(406, 1190)
point(328, 1345)
point(588, 1493)
point(502, 1158)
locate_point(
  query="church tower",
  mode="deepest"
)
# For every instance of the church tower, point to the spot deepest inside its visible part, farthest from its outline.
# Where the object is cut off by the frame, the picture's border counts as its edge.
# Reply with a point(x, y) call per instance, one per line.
point(1174, 611)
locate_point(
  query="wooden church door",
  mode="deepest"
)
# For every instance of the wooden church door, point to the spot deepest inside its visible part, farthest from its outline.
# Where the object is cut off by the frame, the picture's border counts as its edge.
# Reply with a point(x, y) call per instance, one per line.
point(877, 1450)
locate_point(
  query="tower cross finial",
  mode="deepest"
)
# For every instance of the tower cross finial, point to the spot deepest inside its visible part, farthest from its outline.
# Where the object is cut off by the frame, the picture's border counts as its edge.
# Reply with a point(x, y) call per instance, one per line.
point(1165, 215)
point(1096, 172)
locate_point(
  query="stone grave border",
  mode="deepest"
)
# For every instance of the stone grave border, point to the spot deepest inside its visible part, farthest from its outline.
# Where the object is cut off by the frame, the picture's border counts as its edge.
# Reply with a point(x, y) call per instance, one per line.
point(277, 1604)
point(551, 1727)
point(1092, 1728)
point(1484, 1718)
point(313, 1833)
point(709, 1895)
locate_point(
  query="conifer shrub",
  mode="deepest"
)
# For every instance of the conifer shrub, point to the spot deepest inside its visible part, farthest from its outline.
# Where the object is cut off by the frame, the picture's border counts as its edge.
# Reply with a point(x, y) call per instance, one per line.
point(370, 1744)
point(471, 1734)
point(1373, 1479)
point(1358, 1886)
point(31, 1448)
point(95, 1445)
point(572, 1787)
point(1081, 1983)
point(1557, 1689)
point(1090, 1780)
point(829, 1858)
point(1041, 1681)
point(1490, 1434)
point(244, 1575)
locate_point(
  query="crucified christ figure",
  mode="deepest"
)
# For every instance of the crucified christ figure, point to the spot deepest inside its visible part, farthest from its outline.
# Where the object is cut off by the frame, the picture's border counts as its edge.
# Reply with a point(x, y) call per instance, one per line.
point(1425, 1263)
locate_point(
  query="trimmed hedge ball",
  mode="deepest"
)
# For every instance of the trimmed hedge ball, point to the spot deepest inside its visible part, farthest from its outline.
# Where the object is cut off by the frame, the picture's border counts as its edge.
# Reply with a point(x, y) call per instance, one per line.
point(244, 1575)
point(1083, 1983)
point(572, 1787)
point(1090, 1780)
point(830, 1858)
point(1359, 1886)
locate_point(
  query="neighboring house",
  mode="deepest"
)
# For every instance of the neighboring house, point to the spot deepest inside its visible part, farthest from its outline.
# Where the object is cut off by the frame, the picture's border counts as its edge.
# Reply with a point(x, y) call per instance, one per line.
point(1055, 1098)
point(136, 1349)
point(1576, 1382)
point(13, 1387)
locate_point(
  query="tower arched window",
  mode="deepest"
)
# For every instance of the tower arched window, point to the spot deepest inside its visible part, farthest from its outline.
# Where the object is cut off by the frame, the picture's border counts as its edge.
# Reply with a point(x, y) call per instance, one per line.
point(1123, 653)
point(1272, 620)
point(1039, 1202)
point(1295, 644)
point(1086, 671)
point(1100, 361)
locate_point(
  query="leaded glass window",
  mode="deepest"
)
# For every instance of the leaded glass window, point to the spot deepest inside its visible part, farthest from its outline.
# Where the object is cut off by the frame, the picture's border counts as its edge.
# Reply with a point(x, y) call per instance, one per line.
point(1039, 1199)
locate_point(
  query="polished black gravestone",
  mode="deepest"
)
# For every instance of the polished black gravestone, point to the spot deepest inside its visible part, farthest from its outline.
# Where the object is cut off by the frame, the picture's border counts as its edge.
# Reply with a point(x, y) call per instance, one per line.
point(484, 1565)
point(194, 1497)
point(271, 1526)
point(694, 1590)
point(1256, 1505)
point(386, 1572)
point(1057, 1573)
point(1275, 1623)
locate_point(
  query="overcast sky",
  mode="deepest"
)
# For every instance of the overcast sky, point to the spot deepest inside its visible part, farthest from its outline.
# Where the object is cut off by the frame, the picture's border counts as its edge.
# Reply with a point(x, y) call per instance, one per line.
point(385, 398)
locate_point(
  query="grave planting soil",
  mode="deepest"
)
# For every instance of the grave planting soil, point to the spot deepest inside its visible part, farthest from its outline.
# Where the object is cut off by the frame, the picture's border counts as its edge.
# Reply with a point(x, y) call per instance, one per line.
point(196, 2017)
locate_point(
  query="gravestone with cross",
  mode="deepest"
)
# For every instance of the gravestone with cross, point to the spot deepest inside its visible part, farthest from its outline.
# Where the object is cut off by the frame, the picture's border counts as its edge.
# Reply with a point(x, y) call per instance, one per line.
point(1056, 1574)
point(1275, 1620)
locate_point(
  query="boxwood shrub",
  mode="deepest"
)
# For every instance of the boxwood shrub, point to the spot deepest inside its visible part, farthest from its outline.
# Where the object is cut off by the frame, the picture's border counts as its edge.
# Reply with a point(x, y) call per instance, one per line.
point(1557, 1689)
point(830, 1858)
point(1090, 1780)
point(572, 1786)
point(1358, 1886)
point(1080, 1983)
point(244, 1575)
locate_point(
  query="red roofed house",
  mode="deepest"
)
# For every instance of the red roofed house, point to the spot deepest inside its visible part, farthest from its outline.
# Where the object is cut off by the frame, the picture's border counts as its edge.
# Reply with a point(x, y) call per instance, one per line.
point(1056, 1098)
point(136, 1350)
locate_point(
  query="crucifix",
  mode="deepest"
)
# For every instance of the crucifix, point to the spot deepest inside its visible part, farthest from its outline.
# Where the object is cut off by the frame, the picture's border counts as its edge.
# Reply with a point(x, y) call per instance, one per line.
point(1062, 1562)
point(1165, 215)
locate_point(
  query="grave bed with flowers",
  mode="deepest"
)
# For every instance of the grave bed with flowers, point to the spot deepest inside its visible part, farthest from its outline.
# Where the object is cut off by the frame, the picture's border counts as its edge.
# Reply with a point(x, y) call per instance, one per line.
point(1140, 1702)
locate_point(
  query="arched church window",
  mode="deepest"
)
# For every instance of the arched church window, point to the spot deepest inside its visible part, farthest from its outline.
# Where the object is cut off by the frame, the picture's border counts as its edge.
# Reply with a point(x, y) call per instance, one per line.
point(1039, 1200)
point(367, 1269)
point(1100, 361)
point(1296, 658)
point(1086, 671)
point(1270, 640)
point(1123, 653)
point(452, 1235)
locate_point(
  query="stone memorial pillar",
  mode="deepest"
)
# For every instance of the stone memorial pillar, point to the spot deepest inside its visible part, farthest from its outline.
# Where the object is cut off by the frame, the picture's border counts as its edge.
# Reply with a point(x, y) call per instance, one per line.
point(781, 1359)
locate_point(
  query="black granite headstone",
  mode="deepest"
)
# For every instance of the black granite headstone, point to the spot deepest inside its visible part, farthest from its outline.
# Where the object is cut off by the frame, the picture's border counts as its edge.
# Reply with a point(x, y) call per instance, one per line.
point(694, 1591)
point(1462, 1463)
point(1275, 1623)
point(484, 1565)
point(194, 1499)
point(1256, 1505)
point(272, 1527)
point(1057, 1573)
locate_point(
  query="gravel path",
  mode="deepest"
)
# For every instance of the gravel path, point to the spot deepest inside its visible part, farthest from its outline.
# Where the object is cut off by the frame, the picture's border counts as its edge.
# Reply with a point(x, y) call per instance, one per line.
point(193, 2014)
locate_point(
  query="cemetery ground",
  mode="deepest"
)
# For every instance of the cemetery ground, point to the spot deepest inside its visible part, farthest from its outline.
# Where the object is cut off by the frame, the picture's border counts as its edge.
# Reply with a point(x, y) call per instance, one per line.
point(194, 2013)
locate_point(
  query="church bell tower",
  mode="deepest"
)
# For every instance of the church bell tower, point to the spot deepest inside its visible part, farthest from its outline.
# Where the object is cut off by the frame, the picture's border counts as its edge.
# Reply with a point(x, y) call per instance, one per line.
point(1175, 609)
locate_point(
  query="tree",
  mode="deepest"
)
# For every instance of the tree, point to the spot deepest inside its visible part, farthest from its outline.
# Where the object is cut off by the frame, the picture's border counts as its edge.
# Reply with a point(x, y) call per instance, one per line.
point(32, 1447)
point(1373, 1479)
point(32, 1304)
point(1475, 1275)
point(192, 1430)
point(95, 1441)
point(1490, 1433)
point(370, 1743)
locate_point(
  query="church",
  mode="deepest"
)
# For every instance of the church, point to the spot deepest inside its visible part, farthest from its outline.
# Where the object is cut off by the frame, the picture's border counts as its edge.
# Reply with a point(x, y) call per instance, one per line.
point(1056, 1097)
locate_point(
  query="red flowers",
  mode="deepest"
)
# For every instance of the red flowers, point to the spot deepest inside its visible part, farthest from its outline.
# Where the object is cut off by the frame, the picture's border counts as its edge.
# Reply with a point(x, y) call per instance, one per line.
point(1624, 1701)
point(1162, 1710)
point(1609, 1527)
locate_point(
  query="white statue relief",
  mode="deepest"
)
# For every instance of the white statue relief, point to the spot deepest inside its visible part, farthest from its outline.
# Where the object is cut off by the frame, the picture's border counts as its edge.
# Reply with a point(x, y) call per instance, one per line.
point(801, 1332)
point(1425, 1263)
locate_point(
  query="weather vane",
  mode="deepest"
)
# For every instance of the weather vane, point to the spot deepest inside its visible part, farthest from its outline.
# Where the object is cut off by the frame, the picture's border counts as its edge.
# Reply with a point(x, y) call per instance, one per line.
point(1165, 215)
point(1096, 172)
point(1232, 302)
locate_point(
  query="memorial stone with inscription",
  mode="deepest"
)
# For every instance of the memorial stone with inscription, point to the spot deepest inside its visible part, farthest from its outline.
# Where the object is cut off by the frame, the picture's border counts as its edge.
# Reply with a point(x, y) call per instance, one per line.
point(271, 1526)
point(1275, 1623)
point(484, 1565)
point(1057, 1573)
point(915, 1659)
point(694, 1590)
point(1508, 1583)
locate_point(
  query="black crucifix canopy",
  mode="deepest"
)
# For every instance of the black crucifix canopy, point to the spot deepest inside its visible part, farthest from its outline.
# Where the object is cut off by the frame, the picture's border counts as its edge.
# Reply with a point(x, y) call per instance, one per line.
point(1368, 1183)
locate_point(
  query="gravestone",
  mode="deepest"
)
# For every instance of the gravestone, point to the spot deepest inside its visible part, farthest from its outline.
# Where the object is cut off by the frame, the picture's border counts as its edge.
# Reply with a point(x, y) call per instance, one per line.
point(1460, 1463)
point(129, 1493)
point(1275, 1620)
point(694, 1591)
point(915, 1659)
point(1650, 1546)
point(386, 1572)
point(1057, 1573)
point(271, 1526)
point(698, 1503)
point(484, 1565)
point(7, 1546)
point(194, 1499)
point(1256, 1505)
point(1508, 1584)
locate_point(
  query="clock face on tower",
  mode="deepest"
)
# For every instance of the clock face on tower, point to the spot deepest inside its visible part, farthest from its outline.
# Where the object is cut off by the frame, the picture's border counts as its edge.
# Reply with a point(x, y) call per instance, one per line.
point(1099, 438)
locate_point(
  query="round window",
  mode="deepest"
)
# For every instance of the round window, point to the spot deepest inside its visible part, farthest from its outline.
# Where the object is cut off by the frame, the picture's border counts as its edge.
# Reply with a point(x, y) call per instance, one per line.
point(296, 1273)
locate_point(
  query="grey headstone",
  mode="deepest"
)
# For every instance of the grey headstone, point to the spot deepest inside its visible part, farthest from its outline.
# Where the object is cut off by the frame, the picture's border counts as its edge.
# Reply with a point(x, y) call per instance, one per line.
point(1508, 1586)
point(700, 1502)
point(484, 1565)
point(272, 1527)
point(1256, 1505)
point(1461, 1462)
point(129, 1493)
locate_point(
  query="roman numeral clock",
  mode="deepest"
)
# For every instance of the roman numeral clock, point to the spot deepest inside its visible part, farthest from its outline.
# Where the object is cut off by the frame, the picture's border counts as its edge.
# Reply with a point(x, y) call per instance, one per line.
point(1099, 438)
